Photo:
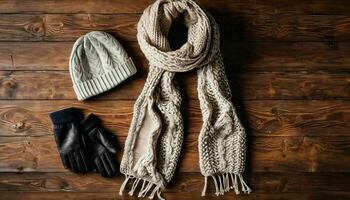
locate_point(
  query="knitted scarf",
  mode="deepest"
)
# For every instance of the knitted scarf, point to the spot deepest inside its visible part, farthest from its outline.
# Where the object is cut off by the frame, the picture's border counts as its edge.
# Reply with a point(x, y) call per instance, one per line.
point(155, 137)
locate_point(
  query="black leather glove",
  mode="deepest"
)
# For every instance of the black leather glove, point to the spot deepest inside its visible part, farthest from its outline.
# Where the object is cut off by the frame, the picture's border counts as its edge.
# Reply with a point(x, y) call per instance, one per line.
point(102, 146)
point(70, 139)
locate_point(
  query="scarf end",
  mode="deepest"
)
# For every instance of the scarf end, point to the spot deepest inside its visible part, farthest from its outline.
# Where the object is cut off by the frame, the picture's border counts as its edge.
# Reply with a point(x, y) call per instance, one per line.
point(145, 189)
point(226, 182)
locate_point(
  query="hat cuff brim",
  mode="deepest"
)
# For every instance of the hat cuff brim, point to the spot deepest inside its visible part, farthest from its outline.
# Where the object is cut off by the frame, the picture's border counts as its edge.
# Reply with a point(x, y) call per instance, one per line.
point(107, 81)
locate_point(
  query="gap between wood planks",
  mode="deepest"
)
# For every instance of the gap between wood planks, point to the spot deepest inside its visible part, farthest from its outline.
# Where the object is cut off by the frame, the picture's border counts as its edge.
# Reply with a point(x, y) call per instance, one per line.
point(132, 6)
point(68, 27)
point(264, 182)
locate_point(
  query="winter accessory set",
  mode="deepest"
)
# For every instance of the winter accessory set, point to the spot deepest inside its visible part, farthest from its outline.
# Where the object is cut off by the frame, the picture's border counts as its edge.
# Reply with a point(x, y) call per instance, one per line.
point(98, 63)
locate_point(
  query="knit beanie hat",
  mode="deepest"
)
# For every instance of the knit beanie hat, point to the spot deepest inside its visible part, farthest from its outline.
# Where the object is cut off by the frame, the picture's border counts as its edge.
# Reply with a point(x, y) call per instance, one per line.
point(98, 63)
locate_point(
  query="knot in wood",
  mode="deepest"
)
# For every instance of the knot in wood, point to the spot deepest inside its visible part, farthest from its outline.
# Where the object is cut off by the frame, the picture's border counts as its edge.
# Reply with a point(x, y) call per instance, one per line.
point(36, 27)
point(9, 84)
point(19, 125)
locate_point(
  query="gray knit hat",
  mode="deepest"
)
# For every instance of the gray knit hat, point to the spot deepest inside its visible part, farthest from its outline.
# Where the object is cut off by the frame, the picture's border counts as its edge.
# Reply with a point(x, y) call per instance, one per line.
point(98, 63)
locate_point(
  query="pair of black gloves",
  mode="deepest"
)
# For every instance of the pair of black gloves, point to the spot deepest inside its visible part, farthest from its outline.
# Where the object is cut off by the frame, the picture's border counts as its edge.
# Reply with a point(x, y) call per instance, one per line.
point(84, 145)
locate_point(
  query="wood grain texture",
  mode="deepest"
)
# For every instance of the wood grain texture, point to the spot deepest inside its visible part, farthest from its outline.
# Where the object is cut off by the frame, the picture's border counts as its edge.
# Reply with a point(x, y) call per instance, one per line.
point(266, 154)
point(68, 27)
point(261, 118)
point(287, 62)
point(175, 196)
point(182, 182)
point(241, 56)
point(63, 27)
point(51, 55)
point(247, 86)
point(132, 6)
point(282, 135)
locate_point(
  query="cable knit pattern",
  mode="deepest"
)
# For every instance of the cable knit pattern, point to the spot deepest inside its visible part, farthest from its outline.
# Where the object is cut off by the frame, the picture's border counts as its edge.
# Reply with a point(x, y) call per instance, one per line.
point(98, 63)
point(155, 137)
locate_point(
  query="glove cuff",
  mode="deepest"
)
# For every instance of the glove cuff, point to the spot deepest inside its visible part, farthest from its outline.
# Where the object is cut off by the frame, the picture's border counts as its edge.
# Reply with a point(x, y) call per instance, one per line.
point(91, 122)
point(66, 115)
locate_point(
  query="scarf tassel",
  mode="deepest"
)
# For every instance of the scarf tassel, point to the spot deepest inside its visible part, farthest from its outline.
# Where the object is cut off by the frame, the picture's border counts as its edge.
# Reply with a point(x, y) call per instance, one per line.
point(145, 188)
point(226, 182)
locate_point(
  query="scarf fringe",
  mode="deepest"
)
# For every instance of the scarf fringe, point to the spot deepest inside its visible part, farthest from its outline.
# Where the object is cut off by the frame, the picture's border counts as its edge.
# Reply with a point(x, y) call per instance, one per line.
point(226, 182)
point(145, 188)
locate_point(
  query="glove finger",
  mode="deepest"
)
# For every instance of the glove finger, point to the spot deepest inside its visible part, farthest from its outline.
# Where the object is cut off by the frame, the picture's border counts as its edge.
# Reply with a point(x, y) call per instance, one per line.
point(79, 162)
point(73, 163)
point(107, 141)
point(100, 167)
point(106, 166)
point(111, 147)
point(84, 160)
point(111, 162)
point(65, 161)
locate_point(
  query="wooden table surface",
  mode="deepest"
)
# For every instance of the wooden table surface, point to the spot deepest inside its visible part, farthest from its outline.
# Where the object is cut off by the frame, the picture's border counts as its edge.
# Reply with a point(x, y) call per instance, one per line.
point(288, 63)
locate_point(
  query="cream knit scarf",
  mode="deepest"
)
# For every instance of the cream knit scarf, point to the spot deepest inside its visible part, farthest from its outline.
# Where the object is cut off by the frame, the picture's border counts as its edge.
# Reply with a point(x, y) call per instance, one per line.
point(155, 137)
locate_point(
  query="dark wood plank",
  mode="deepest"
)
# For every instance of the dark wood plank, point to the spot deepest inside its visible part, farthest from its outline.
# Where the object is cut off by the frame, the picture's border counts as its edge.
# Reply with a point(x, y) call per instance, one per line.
point(283, 27)
point(48, 55)
point(261, 118)
point(64, 27)
point(51, 55)
point(266, 154)
point(59, 195)
point(241, 56)
point(287, 62)
point(75, 6)
point(174, 196)
point(26, 133)
point(247, 86)
point(182, 182)
point(58, 85)
point(132, 6)
point(31, 118)
point(285, 56)
point(68, 27)
point(282, 118)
